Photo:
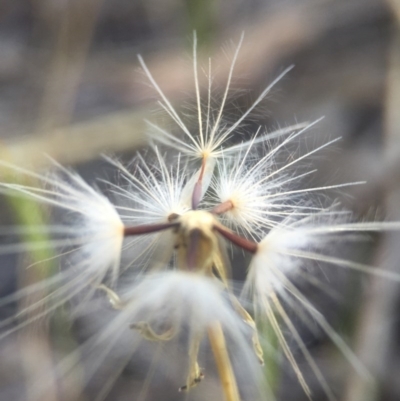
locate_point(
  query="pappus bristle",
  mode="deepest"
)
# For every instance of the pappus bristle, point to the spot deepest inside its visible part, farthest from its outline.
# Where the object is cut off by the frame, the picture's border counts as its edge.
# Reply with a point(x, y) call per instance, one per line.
point(91, 225)
point(240, 192)
point(178, 309)
point(209, 141)
point(284, 255)
point(188, 298)
point(252, 192)
point(290, 246)
point(152, 192)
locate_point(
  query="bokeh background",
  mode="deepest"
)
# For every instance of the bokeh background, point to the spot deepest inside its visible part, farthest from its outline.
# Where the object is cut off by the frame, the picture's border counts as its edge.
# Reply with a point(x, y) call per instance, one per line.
point(71, 88)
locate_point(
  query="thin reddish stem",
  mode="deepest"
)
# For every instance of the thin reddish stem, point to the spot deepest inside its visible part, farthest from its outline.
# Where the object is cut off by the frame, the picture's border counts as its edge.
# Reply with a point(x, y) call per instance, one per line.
point(148, 228)
point(247, 245)
point(196, 196)
point(222, 207)
point(203, 167)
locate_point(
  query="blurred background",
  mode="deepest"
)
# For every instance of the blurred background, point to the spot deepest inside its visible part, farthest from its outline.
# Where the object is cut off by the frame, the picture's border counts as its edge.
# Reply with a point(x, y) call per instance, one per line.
point(71, 88)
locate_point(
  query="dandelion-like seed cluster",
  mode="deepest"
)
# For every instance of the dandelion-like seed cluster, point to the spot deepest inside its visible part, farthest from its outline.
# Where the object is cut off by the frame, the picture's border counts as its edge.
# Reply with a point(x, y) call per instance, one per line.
point(160, 248)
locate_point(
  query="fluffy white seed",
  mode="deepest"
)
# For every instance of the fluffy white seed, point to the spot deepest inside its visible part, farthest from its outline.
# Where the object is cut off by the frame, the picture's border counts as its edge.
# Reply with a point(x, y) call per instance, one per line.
point(84, 220)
